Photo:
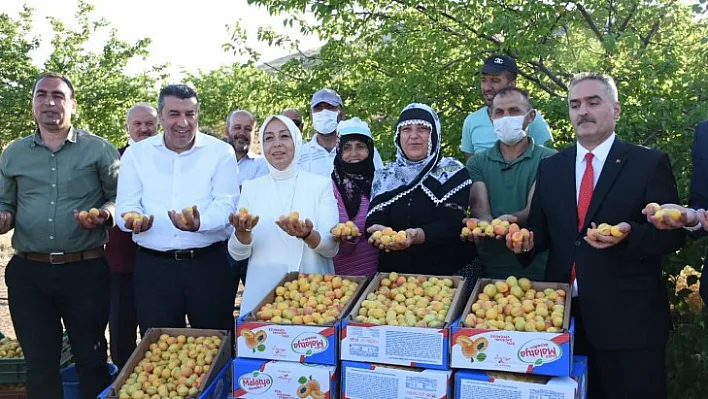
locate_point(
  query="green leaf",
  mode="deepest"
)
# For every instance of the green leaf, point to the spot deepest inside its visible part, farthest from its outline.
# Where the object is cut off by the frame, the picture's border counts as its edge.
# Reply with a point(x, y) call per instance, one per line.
point(309, 352)
point(538, 362)
point(481, 357)
point(302, 380)
point(261, 348)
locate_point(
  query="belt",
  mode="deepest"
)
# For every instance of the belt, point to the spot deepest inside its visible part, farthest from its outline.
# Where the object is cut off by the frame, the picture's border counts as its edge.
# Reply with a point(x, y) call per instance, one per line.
point(58, 258)
point(183, 254)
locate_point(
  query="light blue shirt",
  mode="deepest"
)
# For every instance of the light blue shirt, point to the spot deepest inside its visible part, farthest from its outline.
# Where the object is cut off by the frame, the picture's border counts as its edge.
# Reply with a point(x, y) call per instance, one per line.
point(250, 167)
point(478, 131)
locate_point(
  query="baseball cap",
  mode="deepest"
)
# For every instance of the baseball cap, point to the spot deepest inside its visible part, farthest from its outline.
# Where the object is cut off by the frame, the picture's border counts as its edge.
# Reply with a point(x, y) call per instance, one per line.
point(326, 96)
point(353, 126)
point(497, 64)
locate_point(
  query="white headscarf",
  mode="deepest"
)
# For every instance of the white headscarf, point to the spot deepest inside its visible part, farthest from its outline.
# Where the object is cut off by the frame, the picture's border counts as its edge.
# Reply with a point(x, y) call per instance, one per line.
point(292, 169)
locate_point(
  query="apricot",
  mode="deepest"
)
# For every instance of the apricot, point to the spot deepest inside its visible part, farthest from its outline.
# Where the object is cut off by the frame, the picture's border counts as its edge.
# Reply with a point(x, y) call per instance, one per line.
point(94, 212)
point(187, 211)
point(517, 237)
point(377, 235)
point(513, 228)
point(317, 394)
point(83, 214)
point(616, 232)
point(500, 230)
point(477, 232)
point(471, 223)
point(525, 284)
point(294, 216)
point(388, 231)
point(604, 229)
point(469, 351)
point(673, 214)
point(489, 231)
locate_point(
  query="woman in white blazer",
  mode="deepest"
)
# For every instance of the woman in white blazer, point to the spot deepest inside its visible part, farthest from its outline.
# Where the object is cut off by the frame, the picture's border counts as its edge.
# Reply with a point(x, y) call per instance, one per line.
point(277, 245)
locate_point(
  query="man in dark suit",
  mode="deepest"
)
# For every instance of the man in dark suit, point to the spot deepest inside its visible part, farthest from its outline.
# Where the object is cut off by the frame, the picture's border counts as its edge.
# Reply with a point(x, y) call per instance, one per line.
point(121, 251)
point(620, 303)
point(694, 219)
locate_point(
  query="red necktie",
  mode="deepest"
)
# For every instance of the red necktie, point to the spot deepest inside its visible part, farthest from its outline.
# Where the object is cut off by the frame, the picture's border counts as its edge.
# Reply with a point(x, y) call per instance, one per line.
point(584, 197)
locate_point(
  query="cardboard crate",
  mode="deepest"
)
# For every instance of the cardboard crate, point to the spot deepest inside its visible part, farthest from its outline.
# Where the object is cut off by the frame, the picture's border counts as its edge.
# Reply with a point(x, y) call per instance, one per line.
point(375, 381)
point(272, 379)
point(295, 343)
point(540, 353)
point(473, 384)
point(398, 345)
point(222, 358)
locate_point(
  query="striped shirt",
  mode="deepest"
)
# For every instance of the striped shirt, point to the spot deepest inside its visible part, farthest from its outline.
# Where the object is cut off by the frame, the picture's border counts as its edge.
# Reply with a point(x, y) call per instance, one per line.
point(316, 159)
point(359, 258)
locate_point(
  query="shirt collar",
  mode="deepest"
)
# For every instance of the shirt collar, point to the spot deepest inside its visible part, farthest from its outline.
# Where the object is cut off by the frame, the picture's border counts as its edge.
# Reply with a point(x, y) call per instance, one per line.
point(159, 140)
point(600, 152)
point(317, 144)
point(496, 154)
point(37, 137)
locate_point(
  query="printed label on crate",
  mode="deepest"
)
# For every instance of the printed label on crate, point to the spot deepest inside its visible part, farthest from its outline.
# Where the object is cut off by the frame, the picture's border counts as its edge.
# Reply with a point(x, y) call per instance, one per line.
point(286, 342)
point(395, 345)
point(281, 380)
point(387, 383)
point(492, 384)
point(514, 351)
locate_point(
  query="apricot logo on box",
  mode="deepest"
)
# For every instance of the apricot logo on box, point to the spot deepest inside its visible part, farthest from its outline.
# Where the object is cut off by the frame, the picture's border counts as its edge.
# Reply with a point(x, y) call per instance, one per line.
point(256, 383)
point(540, 351)
point(309, 344)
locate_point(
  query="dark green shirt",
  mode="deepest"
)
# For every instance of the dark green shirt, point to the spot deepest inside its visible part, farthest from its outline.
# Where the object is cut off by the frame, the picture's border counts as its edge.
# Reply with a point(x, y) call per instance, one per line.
point(508, 186)
point(42, 188)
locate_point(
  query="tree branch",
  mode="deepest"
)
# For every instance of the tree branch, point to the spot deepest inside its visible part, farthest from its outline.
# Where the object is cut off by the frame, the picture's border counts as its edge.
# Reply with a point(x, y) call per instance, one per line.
point(589, 21)
point(632, 12)
point(543, 68)
point(540, 84)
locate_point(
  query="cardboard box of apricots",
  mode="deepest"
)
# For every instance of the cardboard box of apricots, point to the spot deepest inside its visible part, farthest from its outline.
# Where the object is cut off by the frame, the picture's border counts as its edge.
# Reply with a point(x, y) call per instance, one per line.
point(367, 380)
point(316, 344)
point(405, 345)
point(531, 352)
point(273, 379)
point(213, 377)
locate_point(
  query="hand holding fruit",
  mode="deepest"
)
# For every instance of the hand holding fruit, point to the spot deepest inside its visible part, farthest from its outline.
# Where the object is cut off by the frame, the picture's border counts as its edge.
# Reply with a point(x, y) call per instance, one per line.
point(295, 227)
point(606, 236)
point(243, 221)
point(187, 220)
point(137, 222)
point(669, 216)
point(405, 239)
point(92, 219)
point(383, 237)
point(347, 231)
point(520, 240)
point(702, 216)
point(476, 230)
point(5, 221)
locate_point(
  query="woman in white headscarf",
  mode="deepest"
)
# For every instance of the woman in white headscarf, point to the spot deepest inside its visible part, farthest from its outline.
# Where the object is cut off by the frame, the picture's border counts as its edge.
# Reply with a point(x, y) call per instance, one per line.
point(275, 243)
point(423, 194)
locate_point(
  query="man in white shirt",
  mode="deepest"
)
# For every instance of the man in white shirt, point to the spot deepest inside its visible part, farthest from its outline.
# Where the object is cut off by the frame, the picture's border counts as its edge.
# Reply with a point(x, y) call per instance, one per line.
point(318, 154)
point(240, 129)
point(183, 181)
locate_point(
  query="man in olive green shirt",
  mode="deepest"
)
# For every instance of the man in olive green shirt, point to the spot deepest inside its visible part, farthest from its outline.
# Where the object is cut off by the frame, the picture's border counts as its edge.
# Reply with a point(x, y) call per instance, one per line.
point(57, 189)
point(503, 179)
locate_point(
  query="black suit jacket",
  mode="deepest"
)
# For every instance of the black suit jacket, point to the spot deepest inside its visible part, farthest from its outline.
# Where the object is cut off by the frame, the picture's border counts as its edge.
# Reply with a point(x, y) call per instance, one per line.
point(621, 293)
point(699, 187)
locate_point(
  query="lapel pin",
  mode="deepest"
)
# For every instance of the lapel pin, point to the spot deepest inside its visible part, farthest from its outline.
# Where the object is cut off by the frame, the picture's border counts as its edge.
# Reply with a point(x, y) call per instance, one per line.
point(617, 161)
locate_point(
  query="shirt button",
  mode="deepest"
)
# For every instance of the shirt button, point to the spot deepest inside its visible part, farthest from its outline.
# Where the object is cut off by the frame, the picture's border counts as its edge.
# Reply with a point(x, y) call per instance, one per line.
point(51, 202)
point(51, 237)
point(54, 185)
point(50, 219)
point(53, 169)
point(52, 155)
point(577, 243)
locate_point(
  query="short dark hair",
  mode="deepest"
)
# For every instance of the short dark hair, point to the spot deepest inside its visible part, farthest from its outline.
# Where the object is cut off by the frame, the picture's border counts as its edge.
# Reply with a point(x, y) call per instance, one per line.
point(181, 91)
point(511, 90)
point(53, 75)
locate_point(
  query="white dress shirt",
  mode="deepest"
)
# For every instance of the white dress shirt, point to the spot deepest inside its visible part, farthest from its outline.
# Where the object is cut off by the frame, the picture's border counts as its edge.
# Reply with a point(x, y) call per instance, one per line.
point(154, 180)
point(598, 161)
point(316, 159)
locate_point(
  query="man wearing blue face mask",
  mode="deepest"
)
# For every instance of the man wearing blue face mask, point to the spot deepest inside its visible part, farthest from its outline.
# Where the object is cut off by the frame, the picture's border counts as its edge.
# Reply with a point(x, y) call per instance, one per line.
point(318, 154)
point(503, 180)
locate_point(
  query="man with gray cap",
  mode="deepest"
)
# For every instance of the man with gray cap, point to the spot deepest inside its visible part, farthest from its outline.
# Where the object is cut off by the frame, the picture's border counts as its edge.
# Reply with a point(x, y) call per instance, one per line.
point(318, 154)
point(498, 72)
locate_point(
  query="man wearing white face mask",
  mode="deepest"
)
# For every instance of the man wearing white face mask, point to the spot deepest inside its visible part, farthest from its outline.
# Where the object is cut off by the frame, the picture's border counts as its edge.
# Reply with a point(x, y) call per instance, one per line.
point(503, 180)
point(318, 154)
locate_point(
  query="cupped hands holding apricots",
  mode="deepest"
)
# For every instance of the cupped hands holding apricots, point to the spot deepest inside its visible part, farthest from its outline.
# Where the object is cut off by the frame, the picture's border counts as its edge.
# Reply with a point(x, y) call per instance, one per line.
point(92, 219)
point(244, 223)
point(387, 239)
point(476, 230)
point(671, 216)
point(187, 220)
point(345, 231)
point(606, 235)
point(137, 222)
point(295, 227)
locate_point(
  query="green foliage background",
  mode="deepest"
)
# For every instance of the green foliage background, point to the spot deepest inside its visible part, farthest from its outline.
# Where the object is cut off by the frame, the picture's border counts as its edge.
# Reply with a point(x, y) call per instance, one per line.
point(381, 55)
